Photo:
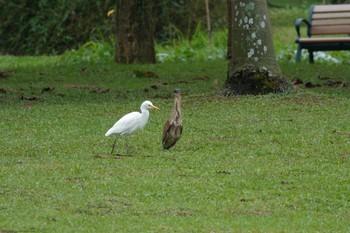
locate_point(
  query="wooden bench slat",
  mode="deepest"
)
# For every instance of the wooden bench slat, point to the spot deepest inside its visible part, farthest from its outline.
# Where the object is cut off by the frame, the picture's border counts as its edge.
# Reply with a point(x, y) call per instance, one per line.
point(331, 15)
point(314, 40)
point(329, 22)
point(331, 8)
point(327, 30)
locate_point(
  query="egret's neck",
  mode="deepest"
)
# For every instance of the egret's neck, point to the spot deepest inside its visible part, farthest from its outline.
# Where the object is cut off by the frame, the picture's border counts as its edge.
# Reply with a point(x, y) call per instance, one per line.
point(144, 118)
point(145, 113)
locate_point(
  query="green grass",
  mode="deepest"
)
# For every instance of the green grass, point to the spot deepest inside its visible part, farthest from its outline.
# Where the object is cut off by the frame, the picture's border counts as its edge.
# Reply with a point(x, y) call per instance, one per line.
point(273, 163)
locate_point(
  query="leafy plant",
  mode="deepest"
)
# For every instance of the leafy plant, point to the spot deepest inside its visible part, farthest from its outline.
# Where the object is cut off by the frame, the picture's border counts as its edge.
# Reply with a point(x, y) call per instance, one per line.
point(50, 27)
point(197, 48)
point(90, 52)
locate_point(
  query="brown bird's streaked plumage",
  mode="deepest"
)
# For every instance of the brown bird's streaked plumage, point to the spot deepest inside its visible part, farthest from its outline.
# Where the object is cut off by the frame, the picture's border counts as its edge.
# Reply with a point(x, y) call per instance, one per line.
point(173, 127)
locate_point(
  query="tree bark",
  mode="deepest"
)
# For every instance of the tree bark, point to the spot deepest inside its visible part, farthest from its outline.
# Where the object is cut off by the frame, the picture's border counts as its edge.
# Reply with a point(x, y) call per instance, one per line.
point(229, 24)
point(134, 42)
point(253, 67)
point(207, 11)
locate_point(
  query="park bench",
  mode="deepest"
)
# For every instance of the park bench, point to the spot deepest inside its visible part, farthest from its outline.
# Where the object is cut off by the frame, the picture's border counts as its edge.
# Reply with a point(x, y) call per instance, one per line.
point(328, 28)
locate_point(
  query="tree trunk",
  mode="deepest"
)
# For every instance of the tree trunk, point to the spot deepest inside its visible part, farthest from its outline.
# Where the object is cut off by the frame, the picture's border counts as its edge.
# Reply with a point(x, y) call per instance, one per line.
point(229, 24)
point(134, 32)
point(253, 68)
point(207, 11)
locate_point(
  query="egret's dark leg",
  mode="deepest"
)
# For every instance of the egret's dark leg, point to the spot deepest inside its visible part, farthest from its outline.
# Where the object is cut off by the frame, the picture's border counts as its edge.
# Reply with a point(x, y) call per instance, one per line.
point(114, 144)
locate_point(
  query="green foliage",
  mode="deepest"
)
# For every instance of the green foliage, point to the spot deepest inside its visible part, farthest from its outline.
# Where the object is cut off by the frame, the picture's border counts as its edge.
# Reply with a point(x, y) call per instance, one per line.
point(181, 49)
point(177, 17)
point(197, 48)
point(272, 163)
point(50, 27)
point(90, 52)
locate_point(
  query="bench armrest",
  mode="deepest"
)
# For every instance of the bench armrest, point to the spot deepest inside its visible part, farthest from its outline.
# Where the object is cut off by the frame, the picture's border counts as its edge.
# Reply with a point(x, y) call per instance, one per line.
point(298, 23)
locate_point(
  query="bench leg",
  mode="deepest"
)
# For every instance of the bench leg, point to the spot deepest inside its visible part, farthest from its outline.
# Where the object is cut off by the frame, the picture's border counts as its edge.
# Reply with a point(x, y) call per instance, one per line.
point(297, 58)
point(311, 57)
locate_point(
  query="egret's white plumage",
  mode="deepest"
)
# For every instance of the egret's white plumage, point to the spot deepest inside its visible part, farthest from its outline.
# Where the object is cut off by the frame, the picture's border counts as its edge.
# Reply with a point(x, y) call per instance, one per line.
point(131, 122)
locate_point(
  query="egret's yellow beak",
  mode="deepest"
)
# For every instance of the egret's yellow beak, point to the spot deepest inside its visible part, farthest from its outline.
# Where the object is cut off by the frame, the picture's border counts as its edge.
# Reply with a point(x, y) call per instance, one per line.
point(155, 107)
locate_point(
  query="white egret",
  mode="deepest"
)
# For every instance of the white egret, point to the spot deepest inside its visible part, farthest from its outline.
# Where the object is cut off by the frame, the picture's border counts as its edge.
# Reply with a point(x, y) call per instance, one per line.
point(173, 126)
point(131, 122)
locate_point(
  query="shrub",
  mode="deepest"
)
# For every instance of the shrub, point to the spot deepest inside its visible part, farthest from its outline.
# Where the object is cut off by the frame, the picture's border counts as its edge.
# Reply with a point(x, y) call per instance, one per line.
point(51, 27)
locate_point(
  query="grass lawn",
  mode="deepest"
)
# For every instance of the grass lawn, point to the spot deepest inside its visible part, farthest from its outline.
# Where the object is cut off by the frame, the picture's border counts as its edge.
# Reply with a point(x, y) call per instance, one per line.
point(273, 163)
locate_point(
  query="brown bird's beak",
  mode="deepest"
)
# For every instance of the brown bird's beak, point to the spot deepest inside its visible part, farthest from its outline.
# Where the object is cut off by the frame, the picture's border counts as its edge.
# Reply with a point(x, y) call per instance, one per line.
point(155, 107)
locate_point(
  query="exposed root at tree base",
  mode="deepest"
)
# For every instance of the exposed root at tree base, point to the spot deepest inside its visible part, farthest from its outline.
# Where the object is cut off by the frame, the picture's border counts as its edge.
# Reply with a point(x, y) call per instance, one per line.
point(254, 81)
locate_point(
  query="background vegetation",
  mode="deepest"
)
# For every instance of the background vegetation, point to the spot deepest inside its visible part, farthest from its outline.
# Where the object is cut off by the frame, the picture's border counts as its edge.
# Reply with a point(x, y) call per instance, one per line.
point(46, 27)
point(51, 27)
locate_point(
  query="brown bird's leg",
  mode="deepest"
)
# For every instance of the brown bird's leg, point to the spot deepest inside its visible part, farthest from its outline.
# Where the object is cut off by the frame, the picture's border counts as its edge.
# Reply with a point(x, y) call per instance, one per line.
point(114, 144)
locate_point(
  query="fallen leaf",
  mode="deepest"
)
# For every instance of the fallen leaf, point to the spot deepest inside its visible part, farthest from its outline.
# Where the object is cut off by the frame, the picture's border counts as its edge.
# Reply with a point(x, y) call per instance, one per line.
point(100, 90)
point(144, 74)
point(3, 90)
point(297, 81)
point(27, 106)
point(244, 200)
point(84, 87)
point(342, 85)
point(224, 172)
point(183, 81)
point(332, 83)
point(204, 78)
point(157, 96)
point(47, 89)
point(30, 98)
point(4, 74)
point(311, 85)
point(158, 85)
point(338, 132)
point(109, 13)
point(85, 69)
point(151, 74)
point(322, 77)
point(284, 182)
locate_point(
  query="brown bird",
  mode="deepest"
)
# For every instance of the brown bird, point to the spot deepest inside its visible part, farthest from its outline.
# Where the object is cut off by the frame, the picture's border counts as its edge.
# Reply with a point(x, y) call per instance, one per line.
point(173, 127)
